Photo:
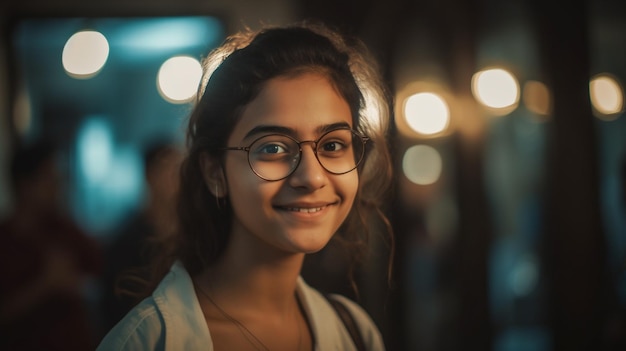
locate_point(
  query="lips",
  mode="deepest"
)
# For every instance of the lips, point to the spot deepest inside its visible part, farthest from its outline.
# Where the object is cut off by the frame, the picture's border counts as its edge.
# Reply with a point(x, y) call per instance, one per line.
point(304, 209)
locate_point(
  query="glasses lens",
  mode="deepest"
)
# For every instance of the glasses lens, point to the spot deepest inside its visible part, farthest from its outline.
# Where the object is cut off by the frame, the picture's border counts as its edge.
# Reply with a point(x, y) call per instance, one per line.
point(273, 157)
point(340, 151)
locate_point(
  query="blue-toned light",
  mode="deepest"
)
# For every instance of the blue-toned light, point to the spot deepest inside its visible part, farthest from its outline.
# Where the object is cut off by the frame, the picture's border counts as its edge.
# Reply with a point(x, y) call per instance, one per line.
point(109, 179)
point(95, 149)
point(125, 179)
point(524, 276)
point(169, 33)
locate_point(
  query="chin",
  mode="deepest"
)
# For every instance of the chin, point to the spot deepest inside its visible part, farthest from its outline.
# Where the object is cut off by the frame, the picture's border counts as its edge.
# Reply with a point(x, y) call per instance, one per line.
point(314, 250)
point(309, 247)
point(307, 240)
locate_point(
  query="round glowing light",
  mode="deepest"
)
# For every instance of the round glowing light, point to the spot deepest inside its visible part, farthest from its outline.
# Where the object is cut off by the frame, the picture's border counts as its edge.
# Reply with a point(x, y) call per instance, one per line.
point(537, 98)
point(178, 79)
point(607, 96)
point(427, 113)
point(495, 88)
point(84, 54)
point(422, 164)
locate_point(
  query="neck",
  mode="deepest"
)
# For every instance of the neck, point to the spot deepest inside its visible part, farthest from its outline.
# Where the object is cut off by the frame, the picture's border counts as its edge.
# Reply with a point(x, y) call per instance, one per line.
point(252, 289)
point(264, 281)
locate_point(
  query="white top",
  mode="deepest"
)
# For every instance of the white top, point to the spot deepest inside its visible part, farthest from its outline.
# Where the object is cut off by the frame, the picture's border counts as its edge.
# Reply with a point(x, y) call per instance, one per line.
point(171, 319)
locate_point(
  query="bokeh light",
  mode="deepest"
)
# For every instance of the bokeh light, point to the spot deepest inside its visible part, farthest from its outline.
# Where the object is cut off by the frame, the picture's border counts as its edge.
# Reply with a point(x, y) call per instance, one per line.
point(95, 148)
point(426, 113)
point(178, 79)
point(496, 89)
point(422, 164)
point(538, 99)
point(22, 112)
point(524, 275)
point(84, 54)
point(607, 96)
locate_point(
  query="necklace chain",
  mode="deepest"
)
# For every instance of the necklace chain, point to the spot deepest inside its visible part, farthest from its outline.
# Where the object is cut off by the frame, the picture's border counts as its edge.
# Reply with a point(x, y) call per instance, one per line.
point(250, 337)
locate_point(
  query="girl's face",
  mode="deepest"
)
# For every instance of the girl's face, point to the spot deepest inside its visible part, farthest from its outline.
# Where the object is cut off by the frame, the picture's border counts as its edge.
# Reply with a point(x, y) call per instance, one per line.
point(298, 214)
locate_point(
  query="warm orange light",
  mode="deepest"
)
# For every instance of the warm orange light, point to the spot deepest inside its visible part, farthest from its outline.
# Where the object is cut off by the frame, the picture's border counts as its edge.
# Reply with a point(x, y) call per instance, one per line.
point(607, 96)
point(538, 99)
point(426, 113)
point(496, 89)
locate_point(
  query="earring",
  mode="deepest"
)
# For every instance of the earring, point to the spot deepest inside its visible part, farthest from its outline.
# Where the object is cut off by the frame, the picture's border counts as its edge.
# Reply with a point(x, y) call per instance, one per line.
point(217, 197)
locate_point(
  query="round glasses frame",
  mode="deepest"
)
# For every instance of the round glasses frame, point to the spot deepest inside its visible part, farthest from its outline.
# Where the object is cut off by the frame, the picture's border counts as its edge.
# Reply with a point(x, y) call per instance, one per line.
point(355, 135)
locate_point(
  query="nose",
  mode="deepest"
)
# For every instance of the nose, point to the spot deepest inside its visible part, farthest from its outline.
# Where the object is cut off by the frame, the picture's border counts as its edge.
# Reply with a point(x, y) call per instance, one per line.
point(309, 174)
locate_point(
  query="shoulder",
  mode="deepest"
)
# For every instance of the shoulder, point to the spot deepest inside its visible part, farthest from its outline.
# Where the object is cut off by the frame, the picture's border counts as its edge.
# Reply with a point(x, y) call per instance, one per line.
point(141, 329)
point(329, 328)
point(369, 331)
point(170, 319)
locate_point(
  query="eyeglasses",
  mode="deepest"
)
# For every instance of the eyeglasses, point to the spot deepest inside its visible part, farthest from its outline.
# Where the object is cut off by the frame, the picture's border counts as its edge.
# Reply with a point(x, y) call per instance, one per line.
point(275, 157)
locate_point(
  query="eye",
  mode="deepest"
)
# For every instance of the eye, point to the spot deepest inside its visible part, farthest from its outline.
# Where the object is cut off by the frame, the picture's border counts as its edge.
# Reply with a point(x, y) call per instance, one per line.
point(332, 146)
point(272, 149)
point(335, 144)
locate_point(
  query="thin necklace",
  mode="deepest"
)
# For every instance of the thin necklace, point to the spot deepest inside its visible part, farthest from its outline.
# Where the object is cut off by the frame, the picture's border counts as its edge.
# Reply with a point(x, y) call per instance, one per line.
point(254, 341)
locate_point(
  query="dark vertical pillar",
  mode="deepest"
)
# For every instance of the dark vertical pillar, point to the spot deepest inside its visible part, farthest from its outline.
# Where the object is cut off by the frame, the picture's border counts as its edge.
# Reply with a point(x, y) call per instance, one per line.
point(574, 252)
point(473, 327)
point(8, 83)
point(381, 29)
point(456, 25)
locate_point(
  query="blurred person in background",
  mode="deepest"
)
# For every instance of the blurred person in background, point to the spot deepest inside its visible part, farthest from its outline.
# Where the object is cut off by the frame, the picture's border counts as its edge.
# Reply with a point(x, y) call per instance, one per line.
point(45, 259)
point(130, 252)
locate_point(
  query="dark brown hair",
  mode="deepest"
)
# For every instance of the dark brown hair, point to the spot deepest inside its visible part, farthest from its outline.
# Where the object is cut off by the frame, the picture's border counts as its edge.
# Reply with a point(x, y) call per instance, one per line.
point(234, 75)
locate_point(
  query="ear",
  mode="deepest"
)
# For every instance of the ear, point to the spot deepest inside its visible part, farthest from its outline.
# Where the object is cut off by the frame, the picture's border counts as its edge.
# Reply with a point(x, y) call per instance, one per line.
point(213, 175)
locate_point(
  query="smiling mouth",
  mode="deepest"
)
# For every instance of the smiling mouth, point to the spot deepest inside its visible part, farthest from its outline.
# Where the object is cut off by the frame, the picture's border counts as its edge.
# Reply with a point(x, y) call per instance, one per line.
point(303, 209)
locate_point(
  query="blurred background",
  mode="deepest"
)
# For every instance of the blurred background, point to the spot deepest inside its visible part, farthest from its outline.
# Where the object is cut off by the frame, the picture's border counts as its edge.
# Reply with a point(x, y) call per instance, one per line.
point(508, 137)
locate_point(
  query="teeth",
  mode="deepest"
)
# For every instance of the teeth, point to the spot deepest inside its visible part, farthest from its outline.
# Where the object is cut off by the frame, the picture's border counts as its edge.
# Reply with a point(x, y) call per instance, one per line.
point(305, 210)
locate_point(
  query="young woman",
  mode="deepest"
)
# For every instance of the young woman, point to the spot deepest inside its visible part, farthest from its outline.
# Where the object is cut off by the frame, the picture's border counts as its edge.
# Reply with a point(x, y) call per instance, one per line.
point(286, 149)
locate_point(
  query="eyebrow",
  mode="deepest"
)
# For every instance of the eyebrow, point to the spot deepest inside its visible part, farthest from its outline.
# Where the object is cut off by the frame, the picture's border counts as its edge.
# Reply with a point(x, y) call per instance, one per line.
point(271, 129)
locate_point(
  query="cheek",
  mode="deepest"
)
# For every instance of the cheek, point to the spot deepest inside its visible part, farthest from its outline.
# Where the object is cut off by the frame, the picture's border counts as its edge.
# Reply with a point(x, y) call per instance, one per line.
point(241, 180)
point(246, 191)
point(349, 187)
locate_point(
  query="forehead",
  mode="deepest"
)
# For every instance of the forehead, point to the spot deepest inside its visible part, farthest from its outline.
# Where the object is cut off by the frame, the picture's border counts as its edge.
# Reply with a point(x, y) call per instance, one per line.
point(303, 103)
